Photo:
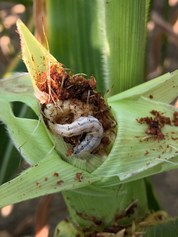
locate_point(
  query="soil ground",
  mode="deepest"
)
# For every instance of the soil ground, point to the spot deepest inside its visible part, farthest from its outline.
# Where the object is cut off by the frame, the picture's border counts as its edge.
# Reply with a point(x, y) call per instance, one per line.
point(21, 219)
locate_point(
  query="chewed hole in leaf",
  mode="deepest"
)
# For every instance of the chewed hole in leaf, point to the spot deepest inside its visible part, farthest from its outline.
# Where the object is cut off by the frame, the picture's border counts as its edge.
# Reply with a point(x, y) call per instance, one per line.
point(22, 110)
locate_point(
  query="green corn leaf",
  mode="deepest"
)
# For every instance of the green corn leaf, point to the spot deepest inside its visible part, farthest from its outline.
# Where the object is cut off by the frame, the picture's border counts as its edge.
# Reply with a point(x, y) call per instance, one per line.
point(74, 37)
point(114, 18)
point(163, 89)
point(109, 202)
point(19, 88)
point(13, 89)
point(35, 56)
point(138, 98)
point(169, 229)
point(36, 147)
point(66, 228)
point(50, 175)
point(166, 227)
point(93, 37)
point(153, 202)
point(131, 154)
point(29, 135)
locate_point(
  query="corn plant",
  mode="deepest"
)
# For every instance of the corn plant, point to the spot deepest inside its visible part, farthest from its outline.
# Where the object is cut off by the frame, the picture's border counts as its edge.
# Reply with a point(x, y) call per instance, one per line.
point(95, 150)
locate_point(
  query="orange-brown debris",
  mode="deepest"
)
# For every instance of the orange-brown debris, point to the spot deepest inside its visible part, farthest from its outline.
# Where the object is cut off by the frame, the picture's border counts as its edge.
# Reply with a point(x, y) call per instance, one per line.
point(65, 86)
point(79, 177)
point(38, 184)
point(69, 152)
point(60, 182)
point(155, 124)
point(175, 118)
point(55, 174)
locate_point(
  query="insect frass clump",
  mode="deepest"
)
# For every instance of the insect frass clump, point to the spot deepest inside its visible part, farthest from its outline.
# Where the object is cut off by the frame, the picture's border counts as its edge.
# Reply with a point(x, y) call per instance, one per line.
point(71, 108)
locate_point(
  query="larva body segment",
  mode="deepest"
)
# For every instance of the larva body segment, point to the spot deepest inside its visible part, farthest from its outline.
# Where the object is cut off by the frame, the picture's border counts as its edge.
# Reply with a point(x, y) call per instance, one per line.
point(90, 125)
point(64, 108)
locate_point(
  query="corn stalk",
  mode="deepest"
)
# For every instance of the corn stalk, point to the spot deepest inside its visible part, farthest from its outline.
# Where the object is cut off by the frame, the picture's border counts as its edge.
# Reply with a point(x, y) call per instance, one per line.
point(109, 43)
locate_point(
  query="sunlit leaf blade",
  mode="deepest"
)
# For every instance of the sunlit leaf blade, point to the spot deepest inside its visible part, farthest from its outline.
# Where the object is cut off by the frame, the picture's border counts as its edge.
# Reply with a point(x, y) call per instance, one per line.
point(19, 88)
point(131, 153)
point(74, 37)
point(35, 56)
point(108, 200)
point(48, 176)
point(28, 134)
point(16, 88)
point(163, 89)
point(92, 38)
point(163, 228)
point(167, 229)
point(161, 167)
point(66, 229)
point(122, 35)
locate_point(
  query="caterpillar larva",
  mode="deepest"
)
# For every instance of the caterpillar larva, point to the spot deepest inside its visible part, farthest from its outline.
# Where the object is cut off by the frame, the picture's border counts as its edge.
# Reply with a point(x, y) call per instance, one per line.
point(70, 108)
point(88, 124)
